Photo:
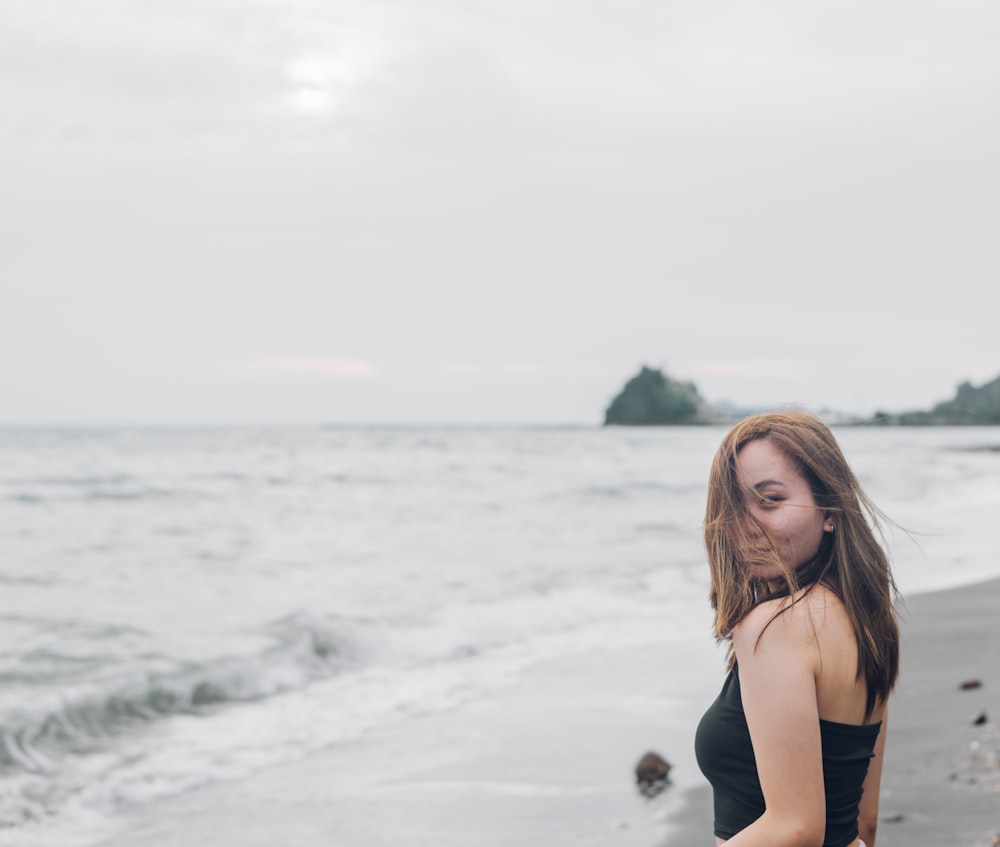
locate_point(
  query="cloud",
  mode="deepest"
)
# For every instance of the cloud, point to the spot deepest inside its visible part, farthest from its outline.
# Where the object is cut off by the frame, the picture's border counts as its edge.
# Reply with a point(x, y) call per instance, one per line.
point(341, 368)
point(523, 199)
point(185, 69)
point(747, 369)
point(321, 78)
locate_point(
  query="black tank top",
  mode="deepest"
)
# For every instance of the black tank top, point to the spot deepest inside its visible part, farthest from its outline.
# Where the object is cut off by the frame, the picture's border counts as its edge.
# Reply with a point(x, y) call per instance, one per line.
point(725, 756)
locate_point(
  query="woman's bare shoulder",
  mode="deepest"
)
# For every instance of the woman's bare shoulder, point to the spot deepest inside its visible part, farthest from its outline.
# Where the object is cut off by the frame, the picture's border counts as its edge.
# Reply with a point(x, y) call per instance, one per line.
point(795, 620)
point(826, 611)
point(757, 619)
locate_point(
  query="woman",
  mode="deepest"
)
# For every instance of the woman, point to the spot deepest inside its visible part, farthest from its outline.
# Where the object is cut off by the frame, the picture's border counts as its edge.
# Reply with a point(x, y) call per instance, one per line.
point(802, 591)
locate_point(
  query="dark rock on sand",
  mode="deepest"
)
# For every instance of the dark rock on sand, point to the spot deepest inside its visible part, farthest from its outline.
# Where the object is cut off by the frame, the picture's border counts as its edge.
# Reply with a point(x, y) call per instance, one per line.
point(652, 774)
point(971, 684)
point(980, 719)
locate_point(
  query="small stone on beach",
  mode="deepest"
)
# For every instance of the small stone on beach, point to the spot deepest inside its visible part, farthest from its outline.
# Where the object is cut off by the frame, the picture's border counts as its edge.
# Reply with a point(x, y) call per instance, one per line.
point(652, 774)
point(971, 684)
point(980, 719)
point(652, 767)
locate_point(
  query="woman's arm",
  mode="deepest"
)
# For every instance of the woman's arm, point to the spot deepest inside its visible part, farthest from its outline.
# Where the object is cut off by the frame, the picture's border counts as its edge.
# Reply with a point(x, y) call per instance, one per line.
point(778, 665)
point(868, 810)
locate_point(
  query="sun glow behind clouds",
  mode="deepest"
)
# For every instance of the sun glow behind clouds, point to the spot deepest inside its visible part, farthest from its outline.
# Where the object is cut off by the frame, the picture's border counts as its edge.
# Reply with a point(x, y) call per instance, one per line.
point(322, 79)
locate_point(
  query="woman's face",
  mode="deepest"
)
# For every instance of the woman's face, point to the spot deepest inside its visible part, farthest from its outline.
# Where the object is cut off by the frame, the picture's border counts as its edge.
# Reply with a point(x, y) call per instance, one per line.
point(788, 524)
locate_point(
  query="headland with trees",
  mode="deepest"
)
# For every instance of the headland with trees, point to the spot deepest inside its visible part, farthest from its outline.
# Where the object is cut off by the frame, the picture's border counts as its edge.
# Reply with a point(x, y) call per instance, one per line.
point(651, 398)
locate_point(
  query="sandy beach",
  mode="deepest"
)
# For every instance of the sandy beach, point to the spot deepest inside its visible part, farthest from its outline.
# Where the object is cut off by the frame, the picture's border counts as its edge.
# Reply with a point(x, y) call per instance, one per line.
point(549, 761)
point(942, 780)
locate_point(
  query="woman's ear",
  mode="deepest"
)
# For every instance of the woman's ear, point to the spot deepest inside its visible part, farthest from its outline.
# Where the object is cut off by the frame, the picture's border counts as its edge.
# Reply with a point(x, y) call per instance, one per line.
point(828, 524)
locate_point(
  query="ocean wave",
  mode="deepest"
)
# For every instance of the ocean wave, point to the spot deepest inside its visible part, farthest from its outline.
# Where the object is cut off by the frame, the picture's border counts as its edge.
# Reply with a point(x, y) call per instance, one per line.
point(110, 494)
point(25, 498)
point(977, 448)
point(134, 494)
point(82, 481)
point(89, 720)
point(43, 489)
point(628, 489)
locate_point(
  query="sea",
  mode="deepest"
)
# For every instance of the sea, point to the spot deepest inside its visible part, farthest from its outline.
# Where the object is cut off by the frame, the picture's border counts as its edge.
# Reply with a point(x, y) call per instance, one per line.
point(182, 607)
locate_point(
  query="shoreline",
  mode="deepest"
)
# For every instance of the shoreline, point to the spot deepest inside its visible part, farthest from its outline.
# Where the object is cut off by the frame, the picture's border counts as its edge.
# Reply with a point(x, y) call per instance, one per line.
point(548, 761)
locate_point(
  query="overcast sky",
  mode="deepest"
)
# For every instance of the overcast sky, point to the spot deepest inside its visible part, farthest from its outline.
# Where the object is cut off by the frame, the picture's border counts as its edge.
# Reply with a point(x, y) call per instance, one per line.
point(459, 210)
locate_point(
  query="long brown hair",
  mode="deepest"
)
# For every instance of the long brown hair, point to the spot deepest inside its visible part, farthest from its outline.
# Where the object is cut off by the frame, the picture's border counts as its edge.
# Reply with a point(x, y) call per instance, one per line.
point(850, 561)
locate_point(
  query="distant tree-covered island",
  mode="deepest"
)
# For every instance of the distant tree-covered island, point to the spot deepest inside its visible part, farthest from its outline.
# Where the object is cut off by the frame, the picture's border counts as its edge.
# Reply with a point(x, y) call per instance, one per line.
point(653, 399)
point(971, 407)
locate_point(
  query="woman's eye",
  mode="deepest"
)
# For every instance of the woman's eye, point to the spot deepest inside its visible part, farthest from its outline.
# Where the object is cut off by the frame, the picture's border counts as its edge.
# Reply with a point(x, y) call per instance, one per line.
point(769, 500)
